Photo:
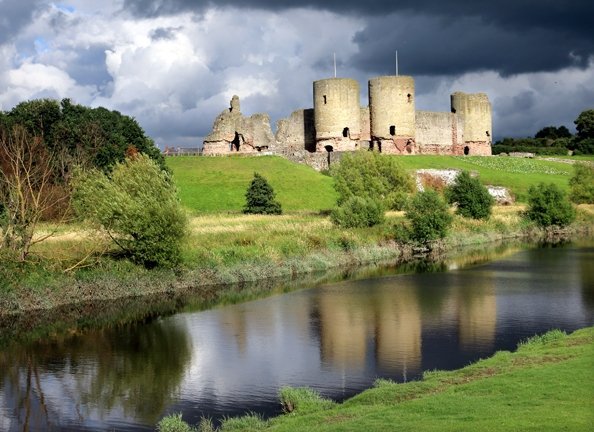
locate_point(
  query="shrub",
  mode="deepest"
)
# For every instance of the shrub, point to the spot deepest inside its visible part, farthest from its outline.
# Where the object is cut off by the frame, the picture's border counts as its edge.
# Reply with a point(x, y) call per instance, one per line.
point(371, 175)
point(138, 206)
point(260, 197)
point(174, 423)
point(473, 199)
point(429, 216)
point(548, 205)
point(582, 184)
point(358, 212)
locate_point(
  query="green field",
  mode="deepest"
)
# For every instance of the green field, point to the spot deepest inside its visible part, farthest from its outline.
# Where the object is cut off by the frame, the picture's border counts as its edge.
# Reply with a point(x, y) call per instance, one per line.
point(517, 174)
point(218, 184)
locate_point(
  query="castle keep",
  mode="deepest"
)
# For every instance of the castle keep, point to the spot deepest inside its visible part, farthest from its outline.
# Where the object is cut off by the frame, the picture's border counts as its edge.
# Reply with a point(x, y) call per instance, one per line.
point(337, 123)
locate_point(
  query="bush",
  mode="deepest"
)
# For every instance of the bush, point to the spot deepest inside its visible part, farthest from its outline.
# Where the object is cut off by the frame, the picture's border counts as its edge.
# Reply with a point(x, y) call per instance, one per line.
point(174, 423)
point(260, 198)
point(429, 216)
point(473, 199)
point(371, 175)
point(358, 212)
point(138, 206)
point(548, 205)
point(582, 184)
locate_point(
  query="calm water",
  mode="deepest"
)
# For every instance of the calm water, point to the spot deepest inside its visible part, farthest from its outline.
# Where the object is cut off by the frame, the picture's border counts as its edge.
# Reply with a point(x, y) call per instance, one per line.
point(337, 338)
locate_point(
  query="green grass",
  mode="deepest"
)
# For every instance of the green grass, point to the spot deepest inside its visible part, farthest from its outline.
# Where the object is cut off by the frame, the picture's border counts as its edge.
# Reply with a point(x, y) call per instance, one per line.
point(218, 184)
point(547, 384)
point(517, 174)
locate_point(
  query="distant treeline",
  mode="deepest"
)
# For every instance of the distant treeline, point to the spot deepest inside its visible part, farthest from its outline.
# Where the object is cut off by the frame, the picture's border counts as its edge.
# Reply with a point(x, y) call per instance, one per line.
point(553, 140)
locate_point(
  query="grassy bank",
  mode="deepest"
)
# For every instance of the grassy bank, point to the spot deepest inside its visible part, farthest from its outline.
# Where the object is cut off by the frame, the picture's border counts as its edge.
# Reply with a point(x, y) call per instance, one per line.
point(232, 249)
point(547, 384)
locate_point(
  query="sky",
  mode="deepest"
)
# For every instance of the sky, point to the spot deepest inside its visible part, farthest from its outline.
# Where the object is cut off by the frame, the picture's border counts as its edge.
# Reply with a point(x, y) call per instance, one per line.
point(174, 64)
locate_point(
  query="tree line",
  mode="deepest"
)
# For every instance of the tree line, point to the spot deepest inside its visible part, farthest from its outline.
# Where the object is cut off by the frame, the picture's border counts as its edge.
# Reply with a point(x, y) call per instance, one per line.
point(553, 140)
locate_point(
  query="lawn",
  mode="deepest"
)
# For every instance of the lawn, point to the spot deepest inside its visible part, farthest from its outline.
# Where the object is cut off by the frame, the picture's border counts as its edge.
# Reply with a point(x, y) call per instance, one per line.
point(517, 174)
point(218, 184)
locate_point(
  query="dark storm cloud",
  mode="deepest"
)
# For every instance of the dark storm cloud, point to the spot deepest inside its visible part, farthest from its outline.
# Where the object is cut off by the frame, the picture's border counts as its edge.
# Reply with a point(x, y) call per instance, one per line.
point(14, 15)
point(443, 37)
point(434, 46)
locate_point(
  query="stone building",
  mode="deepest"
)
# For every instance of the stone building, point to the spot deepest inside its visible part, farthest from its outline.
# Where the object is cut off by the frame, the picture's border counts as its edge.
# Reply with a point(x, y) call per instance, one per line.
point(337, 123)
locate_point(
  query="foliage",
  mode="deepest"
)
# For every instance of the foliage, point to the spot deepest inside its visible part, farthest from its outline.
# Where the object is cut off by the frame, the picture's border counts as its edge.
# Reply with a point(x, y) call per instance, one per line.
point(27, 189)
point(138, 206)
point(302, 399)
point(548, 205)
point(371, 175)
point(584, 124)
point(582, 184)
point(174, 423)
point(473, 199)
point(429, 216)
point(94, 137)
point(553, 132)
point(584, 147)
point(260, 198)
point(357, 212)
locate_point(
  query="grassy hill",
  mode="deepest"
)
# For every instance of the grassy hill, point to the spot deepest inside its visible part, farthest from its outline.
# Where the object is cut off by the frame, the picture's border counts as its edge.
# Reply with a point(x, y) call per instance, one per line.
point(218, 184)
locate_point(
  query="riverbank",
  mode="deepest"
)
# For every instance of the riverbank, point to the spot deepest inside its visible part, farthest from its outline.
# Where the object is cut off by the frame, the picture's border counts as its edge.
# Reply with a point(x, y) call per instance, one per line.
point(236, 250)
point(545, 385)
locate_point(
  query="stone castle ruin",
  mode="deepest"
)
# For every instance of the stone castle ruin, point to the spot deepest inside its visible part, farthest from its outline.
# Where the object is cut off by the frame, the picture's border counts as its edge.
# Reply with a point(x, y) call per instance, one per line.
point(337, 123)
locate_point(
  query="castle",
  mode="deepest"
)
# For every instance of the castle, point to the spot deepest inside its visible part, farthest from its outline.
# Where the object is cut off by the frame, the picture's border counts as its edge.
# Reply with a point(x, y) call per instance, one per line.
point(337, 123)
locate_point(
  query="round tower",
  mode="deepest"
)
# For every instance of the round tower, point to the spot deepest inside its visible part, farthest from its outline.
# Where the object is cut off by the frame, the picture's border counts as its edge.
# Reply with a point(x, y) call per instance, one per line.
point(474, 110)
point(337, 113)
point(392, 106)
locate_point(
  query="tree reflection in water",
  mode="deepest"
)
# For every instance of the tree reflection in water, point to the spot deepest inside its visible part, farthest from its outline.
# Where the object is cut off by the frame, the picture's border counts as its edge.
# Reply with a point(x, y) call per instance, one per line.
point(135, 369)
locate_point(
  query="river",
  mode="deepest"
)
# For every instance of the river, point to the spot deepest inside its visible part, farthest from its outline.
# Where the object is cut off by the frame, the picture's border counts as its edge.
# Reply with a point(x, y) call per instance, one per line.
point(334, 337)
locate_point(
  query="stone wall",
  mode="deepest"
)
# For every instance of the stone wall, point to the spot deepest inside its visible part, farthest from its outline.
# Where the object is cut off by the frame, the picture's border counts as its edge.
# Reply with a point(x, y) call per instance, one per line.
point(234, 133)
point(439, 132)
point(297, 132)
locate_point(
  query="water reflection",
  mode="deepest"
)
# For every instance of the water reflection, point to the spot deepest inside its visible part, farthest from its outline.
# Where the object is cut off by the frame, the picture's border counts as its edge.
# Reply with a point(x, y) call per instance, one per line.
point(337, 338)
point(129, 372)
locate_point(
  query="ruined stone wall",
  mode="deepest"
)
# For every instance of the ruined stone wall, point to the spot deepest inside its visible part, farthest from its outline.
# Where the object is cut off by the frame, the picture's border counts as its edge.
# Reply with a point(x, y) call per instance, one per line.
point(392, 107)
point(475, 111)
point(234, 133)
point(337, 113)
point(297, 132)
point(438, 132)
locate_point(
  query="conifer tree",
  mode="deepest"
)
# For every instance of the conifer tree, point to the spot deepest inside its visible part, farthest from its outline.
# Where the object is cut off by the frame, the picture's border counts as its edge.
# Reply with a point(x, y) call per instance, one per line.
point(260, 197)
